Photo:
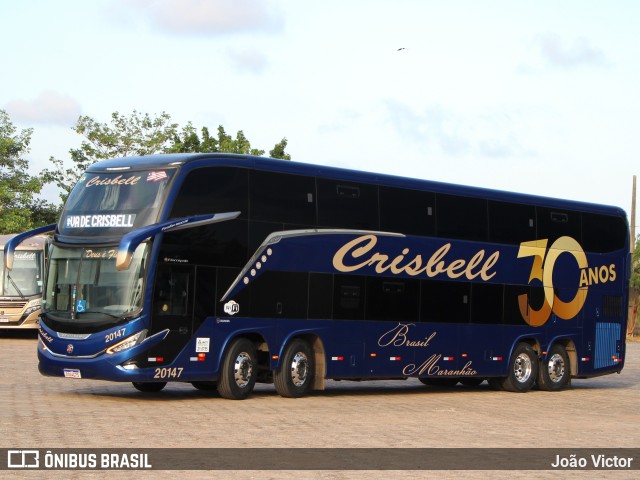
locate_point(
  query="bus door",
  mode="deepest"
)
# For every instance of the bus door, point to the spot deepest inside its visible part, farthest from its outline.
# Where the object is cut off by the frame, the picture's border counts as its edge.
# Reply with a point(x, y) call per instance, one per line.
point(172, 309)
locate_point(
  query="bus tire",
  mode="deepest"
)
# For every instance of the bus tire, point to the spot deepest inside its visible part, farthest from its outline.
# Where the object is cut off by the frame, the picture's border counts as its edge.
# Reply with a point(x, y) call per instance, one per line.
point(439, 382)
point(554, 371)
point(294, 375)
point(149, 387)
point(239, 370)
point(523, 369)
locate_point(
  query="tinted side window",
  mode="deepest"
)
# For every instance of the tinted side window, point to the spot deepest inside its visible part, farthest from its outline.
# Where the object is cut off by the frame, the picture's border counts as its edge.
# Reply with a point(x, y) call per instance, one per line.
point(445, 302)
point(511, 223)
point(347, 205)
point(554, 223)
point(320, 295)
point(280, 294)
point(603, 233)
point(461, 218)
point(279, 197)
point(213, 190)
point(486, 303)
point(218, 244)
point(392, 299)
point(205, 295)
point(172, 292)
point(411, 212)
point(348, 297)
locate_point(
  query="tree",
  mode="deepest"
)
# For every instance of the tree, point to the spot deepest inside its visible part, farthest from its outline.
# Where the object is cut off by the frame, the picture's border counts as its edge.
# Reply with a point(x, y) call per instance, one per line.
point(142, 134)
point(634, 288)
point(278, 150)
point(189, 142)
point(19, 209)
point(136, 134)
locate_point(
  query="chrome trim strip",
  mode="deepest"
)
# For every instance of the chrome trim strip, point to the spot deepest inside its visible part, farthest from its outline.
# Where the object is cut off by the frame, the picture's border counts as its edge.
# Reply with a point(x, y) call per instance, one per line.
point(73, 336)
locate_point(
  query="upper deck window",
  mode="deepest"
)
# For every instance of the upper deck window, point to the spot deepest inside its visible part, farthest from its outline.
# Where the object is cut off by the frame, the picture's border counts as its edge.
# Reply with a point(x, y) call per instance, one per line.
point(114, 202)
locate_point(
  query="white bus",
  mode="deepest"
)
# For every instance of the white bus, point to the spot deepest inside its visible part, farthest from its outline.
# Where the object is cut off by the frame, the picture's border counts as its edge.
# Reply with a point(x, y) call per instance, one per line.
point(21, 287)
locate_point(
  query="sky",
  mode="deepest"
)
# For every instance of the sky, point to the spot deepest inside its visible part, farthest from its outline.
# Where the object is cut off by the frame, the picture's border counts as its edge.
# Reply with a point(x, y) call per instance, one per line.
point(539, 97)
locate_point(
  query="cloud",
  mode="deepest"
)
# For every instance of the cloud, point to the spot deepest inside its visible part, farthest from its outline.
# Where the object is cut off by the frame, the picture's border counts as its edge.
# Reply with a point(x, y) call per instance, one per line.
point(457, 134)
point(49, 108)
point(210, 17)
point(550, 50)
point(579, 52)
point(248, 60)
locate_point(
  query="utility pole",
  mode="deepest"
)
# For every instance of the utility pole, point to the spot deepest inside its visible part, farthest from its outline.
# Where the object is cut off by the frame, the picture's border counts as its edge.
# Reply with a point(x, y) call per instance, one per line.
point(633, 295)
point(633, 215)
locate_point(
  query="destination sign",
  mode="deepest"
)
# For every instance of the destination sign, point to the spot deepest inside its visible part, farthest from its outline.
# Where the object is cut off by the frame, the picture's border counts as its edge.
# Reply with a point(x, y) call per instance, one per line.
point(117, 220)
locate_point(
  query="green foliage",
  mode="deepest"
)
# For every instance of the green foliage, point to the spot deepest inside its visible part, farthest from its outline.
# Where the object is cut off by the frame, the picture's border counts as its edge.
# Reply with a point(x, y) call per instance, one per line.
point(142, 134)
point(19, 210)
point(136, 134)
point(635, 267)
point(126, 136)
point(189, 142)
point(278, 150)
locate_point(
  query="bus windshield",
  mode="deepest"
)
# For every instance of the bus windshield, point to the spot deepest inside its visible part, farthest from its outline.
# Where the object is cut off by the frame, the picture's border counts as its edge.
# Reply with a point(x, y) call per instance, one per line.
point(85, 289)
point(112, 203)
point(26, 277)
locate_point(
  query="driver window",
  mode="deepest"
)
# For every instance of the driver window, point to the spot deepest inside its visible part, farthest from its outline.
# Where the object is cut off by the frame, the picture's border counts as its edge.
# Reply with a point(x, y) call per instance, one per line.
point(171, 295)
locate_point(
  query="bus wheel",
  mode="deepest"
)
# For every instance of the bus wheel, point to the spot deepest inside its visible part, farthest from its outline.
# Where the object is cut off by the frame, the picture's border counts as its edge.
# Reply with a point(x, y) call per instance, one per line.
point(239, 370)
point(149, 387)
point(294, 376)
point(205, 386)
point(554, 371)
point(440, 382)
point(523, 369)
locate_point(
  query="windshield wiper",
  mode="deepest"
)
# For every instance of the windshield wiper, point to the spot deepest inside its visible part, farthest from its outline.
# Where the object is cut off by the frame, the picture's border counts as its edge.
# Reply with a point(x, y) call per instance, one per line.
point(13, 284)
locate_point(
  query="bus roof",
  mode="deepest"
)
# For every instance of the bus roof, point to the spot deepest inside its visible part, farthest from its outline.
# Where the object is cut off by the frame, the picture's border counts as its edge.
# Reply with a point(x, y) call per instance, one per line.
point(33, 243)
point(194, 160)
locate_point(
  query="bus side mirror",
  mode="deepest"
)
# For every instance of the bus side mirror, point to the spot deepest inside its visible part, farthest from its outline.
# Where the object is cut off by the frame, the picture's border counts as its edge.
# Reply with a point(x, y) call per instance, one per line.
point(11, 245)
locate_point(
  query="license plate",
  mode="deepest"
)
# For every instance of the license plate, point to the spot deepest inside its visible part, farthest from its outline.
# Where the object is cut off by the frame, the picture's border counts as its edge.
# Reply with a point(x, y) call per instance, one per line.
point(72, 373)
point(4, 320)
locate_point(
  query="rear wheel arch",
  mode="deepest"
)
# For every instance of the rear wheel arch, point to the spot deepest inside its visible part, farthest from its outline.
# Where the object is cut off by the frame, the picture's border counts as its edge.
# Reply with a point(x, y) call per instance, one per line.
point(261, 345)
point(572, 353)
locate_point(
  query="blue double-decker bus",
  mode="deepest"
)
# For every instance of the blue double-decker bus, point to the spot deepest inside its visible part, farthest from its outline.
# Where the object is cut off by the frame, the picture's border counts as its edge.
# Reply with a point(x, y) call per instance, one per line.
point(224, 270)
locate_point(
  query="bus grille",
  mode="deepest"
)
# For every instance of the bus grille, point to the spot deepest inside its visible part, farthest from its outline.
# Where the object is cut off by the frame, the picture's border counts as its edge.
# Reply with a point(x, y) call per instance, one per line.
point(6, 305)
point(612, 306)
point(607, 338)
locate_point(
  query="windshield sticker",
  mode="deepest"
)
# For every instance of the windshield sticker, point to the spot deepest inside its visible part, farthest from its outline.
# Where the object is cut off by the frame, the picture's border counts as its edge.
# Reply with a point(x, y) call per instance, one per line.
point(123, 220)
point(156, 176)
point(119, 180)
point(24, 256)
point(104, 254)
point(81, 306)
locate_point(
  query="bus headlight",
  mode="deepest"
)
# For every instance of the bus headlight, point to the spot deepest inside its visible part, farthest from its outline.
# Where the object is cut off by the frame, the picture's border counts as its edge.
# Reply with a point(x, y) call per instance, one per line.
point(127, 343)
